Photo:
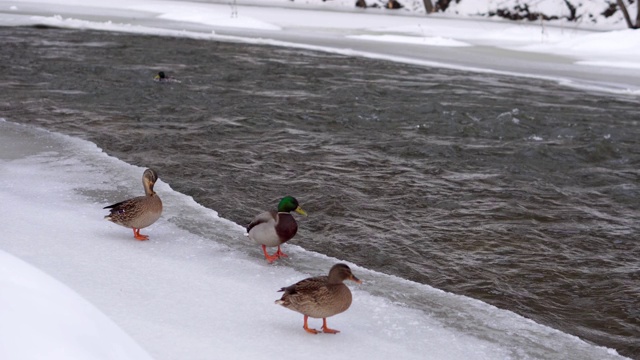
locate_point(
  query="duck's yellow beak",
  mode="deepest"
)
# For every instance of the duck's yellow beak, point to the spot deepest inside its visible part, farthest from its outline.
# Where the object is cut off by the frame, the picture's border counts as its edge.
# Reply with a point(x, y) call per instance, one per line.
point(300, 211)
point(157, 77)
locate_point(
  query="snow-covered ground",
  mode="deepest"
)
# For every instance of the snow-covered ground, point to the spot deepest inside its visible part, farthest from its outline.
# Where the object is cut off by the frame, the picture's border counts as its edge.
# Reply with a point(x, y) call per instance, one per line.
point(184, 295)
point(586, 11)
point(43, 319)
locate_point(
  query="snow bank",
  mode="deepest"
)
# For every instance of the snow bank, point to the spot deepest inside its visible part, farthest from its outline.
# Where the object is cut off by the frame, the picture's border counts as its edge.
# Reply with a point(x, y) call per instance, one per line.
point(43, 319)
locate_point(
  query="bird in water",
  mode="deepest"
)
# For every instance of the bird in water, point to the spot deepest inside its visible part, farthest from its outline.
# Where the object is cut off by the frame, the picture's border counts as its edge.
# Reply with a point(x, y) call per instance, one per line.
point(139, 212)
point(320, 296)
point(162, 77)
point(274, 228)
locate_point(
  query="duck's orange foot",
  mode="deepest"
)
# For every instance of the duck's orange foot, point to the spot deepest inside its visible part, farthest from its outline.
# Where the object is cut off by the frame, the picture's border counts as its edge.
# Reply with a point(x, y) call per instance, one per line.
point(326, 329)
point(279, 253)
point(310, 331)
point(329, 331)
point(306, 326)
point(270, 258)
point(138, 236)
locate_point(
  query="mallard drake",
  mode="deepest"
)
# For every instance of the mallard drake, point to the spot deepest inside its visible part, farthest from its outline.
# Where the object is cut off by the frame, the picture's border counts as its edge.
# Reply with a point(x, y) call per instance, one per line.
point(162, 77)
point(141, 211)
point(320, 296)
point(274, 228)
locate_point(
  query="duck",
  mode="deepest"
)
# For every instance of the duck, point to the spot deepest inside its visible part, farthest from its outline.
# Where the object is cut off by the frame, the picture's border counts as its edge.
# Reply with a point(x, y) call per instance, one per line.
point(320, 296)
point(274, 228)
point(162, 77)
point(139, 212)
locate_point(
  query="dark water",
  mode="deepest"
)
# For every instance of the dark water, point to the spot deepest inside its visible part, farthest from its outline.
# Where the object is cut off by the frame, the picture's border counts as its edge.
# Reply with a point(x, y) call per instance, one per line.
point(518, 192)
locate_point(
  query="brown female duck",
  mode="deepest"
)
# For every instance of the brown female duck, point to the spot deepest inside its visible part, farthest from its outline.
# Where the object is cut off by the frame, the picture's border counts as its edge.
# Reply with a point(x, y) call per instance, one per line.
point(320, 296)
point(273, 228)
point(141, 211)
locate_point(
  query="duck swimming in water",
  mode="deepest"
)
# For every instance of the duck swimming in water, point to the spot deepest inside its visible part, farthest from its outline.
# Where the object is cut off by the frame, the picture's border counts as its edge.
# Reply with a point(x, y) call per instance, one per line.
point(162, 77)
point(139, 212)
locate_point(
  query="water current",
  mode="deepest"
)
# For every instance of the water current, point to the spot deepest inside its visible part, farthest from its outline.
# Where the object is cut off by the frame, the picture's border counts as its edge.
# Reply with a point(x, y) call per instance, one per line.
point(519, 192)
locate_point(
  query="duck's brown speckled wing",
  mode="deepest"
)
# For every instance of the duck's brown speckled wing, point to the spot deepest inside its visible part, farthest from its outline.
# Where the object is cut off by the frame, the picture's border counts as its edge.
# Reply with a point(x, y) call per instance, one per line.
point(124, 207)
point(305, 292)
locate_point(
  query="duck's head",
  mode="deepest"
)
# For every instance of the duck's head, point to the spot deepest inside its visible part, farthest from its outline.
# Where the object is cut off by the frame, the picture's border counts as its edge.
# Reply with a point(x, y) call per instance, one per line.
point(160, 76)
point(289, 204)
point(149, 179)
point(341, 272)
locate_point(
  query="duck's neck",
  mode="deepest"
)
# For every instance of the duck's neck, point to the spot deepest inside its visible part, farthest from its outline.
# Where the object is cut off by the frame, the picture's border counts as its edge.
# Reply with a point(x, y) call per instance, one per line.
point(335, 280)
point(148, 190)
